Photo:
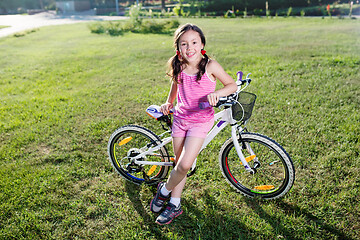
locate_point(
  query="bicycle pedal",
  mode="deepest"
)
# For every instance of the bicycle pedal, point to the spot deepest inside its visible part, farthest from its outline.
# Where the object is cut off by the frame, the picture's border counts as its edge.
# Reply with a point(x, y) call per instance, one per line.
point(145, 176)
point(256, 165)
point(191, 172)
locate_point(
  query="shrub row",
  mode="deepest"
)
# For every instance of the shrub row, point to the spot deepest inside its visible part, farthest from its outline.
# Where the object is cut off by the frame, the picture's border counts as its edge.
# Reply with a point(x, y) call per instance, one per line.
point(116, 28)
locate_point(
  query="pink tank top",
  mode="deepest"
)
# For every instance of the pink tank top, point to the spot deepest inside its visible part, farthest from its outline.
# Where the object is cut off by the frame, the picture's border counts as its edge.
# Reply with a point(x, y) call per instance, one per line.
point(190, 94)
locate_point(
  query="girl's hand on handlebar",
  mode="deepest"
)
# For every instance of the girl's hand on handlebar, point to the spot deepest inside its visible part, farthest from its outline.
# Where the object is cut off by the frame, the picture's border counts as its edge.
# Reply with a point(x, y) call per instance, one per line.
point(165, 108)
point(213, 98)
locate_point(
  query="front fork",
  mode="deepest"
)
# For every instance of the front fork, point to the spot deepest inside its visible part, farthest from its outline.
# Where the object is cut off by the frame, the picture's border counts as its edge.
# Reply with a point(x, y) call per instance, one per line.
point(238, 147)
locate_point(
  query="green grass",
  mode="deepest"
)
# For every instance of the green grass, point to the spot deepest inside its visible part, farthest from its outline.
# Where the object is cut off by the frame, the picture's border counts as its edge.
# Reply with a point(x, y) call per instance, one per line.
point(65, 90)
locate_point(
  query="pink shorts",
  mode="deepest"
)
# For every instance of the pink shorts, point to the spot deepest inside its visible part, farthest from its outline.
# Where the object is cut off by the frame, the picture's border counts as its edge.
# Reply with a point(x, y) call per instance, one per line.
point(182, 128)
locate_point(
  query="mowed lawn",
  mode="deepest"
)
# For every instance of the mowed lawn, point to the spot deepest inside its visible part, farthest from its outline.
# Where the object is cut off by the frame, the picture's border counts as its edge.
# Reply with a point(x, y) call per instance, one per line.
point(65, 90)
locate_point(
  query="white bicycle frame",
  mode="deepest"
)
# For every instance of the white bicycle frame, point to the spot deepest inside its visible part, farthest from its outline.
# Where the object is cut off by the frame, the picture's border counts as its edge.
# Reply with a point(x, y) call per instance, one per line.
point(221, 119)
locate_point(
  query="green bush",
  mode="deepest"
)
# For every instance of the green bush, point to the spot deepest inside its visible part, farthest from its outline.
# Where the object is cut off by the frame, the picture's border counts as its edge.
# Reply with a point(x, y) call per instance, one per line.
point(135, 24)
point(178, 11)
point(97, 28)
point(128, 26)
point(23, 33)
point(151, 26)
point(159, 27)
point(115, 29)
point(171, 24)
point(289, 12)
point(146, 26)
point(134, 12)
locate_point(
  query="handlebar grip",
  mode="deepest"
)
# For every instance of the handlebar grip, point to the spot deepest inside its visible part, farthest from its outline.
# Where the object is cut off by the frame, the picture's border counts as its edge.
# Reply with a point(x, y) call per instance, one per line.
point(239, 75)
point(204, 105)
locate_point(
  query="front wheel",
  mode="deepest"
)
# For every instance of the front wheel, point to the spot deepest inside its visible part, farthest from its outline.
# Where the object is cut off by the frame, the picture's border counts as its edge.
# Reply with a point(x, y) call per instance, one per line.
point(274, 171)
point(130, 141)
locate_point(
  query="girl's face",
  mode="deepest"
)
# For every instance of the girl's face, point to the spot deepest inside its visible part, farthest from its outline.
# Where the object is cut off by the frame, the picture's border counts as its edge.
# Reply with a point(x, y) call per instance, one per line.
point(190, 46)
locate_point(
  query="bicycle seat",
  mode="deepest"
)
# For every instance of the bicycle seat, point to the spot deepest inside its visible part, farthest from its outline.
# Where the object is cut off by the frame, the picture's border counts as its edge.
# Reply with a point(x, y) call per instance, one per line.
point(154, 112)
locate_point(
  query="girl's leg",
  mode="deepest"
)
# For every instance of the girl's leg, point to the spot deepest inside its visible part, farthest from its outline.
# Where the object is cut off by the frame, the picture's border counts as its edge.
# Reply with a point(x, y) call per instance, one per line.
point(163, 192)
point(178, 144)
point(188, 149)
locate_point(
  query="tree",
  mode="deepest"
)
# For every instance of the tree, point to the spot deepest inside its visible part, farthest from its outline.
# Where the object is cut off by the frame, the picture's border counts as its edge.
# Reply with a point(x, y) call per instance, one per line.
point(41, 4)
point(13, 5)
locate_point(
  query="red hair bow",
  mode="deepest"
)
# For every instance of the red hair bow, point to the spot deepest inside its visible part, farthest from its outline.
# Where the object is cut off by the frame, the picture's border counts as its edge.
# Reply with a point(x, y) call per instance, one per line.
point(178, 53)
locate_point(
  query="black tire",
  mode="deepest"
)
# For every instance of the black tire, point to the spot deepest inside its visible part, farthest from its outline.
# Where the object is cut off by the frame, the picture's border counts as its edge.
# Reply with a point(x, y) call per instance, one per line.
point(129, 141)
point(272, 179)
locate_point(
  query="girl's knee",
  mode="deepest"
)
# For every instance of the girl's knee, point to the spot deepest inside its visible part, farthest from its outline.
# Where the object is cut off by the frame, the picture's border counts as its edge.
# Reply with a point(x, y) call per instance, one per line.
point(183, 168)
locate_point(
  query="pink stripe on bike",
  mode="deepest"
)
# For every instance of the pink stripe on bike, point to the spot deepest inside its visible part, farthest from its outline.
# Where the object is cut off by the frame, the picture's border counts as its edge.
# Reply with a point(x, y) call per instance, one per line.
point(227, 166)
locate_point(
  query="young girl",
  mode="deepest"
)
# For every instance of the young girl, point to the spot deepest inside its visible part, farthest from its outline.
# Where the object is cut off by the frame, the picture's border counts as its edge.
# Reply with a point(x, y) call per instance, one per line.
point(193, 81)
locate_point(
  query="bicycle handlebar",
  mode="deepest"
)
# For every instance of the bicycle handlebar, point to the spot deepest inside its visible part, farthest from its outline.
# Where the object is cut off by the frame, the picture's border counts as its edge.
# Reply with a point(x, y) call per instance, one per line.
point(204, 105)
point(229, 100)
point(223, 101)
point(240, 81)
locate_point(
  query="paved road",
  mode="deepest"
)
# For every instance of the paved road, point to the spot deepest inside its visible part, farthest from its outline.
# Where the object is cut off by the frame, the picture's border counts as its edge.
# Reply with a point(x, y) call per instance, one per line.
point(20, 23)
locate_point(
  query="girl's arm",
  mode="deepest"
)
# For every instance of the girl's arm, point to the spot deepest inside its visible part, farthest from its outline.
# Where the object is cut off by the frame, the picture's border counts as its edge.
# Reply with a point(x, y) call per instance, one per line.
point(165, 108)
point(215, 69)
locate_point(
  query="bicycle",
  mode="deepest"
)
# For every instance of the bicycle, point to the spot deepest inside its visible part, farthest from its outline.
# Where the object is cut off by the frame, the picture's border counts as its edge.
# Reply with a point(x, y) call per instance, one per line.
point(253, 164)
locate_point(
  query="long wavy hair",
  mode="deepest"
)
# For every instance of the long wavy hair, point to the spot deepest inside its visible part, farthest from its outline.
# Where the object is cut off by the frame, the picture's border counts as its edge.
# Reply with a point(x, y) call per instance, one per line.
point(175, 62)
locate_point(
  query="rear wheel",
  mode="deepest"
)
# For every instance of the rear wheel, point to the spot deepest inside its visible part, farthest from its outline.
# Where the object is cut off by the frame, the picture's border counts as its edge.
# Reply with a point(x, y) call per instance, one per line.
point(130, 141)
point(274, 171)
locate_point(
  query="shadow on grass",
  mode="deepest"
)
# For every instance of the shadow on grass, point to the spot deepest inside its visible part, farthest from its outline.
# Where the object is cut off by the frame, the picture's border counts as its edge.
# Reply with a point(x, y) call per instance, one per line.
point(321, 223)
point(210, 221)
point(133, 191)
point(294, 211)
